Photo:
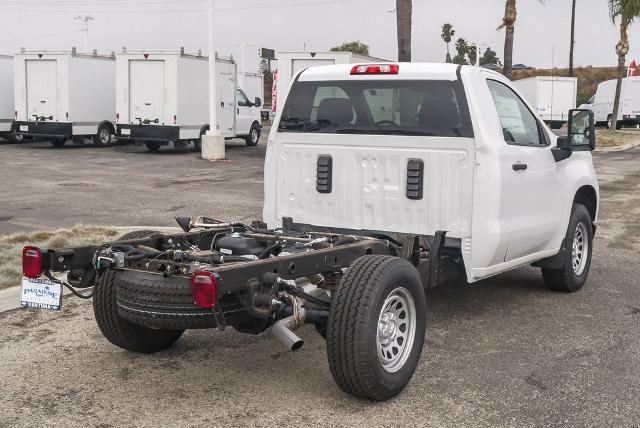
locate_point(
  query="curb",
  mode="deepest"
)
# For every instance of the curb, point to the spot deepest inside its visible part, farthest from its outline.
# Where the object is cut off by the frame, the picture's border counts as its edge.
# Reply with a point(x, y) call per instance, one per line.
point(619, 148)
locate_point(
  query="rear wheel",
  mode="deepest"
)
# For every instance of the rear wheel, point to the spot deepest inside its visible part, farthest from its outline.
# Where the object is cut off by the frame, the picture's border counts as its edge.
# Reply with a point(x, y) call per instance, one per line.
point(153, 147)
point(578, 244)
point(103, 137)
point(16, 138)
point(376, 327)
point(254, 135)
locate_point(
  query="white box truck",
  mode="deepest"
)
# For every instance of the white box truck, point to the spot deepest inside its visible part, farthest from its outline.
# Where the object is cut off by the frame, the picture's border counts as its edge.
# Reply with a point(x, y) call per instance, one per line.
point(602, 102)
point(290, 63)
point(551, 96)
point(63, 95)
point(163, 97)
point(6, 99)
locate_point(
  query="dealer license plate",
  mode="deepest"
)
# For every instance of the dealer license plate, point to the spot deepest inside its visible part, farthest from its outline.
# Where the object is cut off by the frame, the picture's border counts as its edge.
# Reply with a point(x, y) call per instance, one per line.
point(24, 128)
point(40, 293)
point(125, 131)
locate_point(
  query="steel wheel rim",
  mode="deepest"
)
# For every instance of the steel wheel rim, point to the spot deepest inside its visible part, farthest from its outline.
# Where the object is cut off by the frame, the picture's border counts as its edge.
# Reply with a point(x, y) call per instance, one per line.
point(254, 136)
point(104, 135)
point(580, 249)
point(396, 330)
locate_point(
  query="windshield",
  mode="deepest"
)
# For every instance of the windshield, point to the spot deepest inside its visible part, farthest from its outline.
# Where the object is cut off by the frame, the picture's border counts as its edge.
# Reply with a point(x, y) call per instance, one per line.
point(382, 107)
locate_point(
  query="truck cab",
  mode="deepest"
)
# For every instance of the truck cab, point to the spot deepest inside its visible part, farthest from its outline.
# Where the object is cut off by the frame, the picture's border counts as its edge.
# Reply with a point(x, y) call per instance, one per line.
point(420, 148)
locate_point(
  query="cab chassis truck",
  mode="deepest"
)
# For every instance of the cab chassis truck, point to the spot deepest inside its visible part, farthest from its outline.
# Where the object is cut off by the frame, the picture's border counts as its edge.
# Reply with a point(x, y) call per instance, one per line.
point(381, 180)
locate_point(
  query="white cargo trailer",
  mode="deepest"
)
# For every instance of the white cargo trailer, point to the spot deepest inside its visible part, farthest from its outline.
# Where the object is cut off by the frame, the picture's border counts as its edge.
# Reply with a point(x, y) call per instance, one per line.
point(62, 95)
point(290, 63)
point(6, 98)
point(163, 97)
point(552, 97)
point(602, 102)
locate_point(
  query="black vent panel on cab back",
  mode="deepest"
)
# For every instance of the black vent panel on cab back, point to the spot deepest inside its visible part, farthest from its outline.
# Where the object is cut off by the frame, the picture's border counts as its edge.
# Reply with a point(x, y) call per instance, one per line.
point(324, 171)
point(415, 179)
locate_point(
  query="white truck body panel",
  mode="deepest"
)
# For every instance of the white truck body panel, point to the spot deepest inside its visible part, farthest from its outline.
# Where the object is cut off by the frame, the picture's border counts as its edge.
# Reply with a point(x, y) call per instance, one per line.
point(6, 93)
point(502, 217)
point(291, 63)
point(602, 104)
point(172, 87)
point(73, 88)
point(552, 97)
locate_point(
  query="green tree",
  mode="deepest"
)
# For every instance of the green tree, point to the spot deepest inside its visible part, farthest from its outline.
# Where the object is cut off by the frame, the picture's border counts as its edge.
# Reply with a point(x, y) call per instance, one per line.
point(472, 54)
point(447, 35)
point(462, 49)
point(403, 21)
point(625, 11)
point(490, 57)
point(357, 47)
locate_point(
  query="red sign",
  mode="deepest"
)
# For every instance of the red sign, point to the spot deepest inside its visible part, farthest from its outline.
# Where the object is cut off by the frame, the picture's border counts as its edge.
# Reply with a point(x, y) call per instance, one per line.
point(632, 70)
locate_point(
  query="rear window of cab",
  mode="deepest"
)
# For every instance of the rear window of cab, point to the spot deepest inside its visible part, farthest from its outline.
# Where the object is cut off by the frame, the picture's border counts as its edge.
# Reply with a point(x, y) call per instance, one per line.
point(377, 107)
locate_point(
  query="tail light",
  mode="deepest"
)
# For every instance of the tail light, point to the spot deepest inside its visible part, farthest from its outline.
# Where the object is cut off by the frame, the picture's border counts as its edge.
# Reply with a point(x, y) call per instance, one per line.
point(375, 69)
point(117, 117)
point(626, 116)
point(31, 262)
point(15, 114)
point(67, 116)
point(175, 119)
point(203, 289)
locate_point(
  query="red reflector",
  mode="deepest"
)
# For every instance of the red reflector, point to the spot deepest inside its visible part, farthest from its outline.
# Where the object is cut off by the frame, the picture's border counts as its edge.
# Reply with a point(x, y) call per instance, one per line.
point(203, 289)
point(31, 262)
point(375, 69)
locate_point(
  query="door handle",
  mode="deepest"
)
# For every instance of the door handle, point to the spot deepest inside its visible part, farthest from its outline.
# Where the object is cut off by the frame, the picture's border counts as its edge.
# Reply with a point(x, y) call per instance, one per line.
point(519, 166)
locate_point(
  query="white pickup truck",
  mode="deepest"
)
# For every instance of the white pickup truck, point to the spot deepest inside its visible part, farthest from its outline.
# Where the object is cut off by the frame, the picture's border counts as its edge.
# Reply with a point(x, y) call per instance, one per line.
point(380, 180)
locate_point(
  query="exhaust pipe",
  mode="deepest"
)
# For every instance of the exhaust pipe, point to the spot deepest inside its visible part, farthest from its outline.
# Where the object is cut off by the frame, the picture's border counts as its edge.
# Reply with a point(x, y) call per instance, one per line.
point(283, 330)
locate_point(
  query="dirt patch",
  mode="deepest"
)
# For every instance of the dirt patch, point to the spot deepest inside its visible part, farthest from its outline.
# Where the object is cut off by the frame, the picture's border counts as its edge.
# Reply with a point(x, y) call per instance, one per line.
point(609, 138)
point(11, 247)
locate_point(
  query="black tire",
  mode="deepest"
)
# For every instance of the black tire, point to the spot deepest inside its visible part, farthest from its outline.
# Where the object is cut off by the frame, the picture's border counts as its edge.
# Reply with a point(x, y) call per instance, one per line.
point(567, 279)
point(352, 329)
point(153, 147)
point(16, 138)
point(254, 135)
point(121, 332)
point(104, 137)
point(58, 142)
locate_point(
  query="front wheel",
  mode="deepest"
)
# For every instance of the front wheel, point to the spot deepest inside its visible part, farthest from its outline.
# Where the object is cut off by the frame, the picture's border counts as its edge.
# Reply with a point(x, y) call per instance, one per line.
point(103, 137)
point(376, 327)
point(578, 245)
point(254, 135)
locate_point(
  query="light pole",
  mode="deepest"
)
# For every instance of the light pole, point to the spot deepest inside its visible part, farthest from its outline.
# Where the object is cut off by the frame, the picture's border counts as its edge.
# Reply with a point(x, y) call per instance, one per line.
point(213, 142)
point(478, 52)
point(86, 20)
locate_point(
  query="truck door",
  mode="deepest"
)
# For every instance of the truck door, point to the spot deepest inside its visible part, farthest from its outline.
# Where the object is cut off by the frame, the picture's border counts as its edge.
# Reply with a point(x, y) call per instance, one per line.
point(227, 99)
point(42, 88)
point(536, 191)
point(244, 113)
point(146, 90)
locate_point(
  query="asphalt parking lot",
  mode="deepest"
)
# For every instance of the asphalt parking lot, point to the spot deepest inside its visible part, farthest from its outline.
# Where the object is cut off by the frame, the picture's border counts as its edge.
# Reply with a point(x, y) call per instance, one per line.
point(503, 352)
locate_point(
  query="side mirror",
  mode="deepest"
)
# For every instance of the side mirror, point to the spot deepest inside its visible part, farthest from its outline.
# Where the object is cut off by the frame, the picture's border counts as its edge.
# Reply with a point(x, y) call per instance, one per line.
point(257, 102)
point(562, 150)
point(581, 130)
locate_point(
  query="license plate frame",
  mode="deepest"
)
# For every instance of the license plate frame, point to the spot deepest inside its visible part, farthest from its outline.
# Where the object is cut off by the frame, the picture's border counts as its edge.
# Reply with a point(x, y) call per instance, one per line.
point(24, 128)
point(40, 293)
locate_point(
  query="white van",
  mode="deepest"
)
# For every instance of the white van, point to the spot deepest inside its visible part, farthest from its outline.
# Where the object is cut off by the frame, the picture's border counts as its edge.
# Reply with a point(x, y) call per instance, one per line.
point(163, 97)
point(551, 96)
point(63, 95)
point(602, 102)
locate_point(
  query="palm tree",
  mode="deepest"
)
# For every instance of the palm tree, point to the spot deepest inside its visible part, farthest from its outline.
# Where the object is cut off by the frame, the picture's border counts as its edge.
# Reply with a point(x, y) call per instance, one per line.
point(508, 22)
point(462, 49)
point(403, 19)
point(447, 35)
point(573, 38)
point(626, 11)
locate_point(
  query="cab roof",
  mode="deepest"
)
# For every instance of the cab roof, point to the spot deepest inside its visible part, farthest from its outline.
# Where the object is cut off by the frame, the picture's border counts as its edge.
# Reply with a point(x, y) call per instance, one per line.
point(406, 71)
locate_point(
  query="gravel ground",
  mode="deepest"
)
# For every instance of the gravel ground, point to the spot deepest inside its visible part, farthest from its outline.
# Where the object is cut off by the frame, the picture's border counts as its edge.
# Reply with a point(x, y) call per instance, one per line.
point(504, 352)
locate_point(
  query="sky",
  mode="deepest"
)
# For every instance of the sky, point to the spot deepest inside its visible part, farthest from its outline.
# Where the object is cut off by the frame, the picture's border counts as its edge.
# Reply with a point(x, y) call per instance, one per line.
point(541, 34)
